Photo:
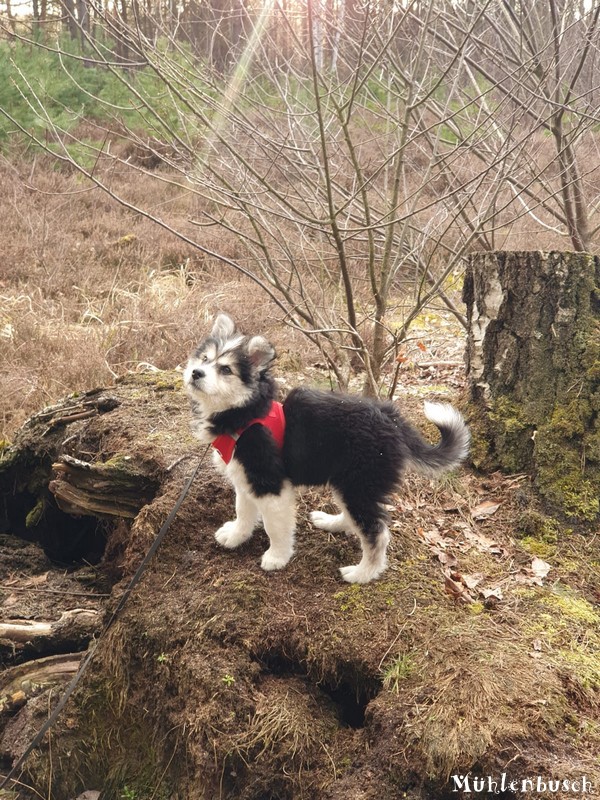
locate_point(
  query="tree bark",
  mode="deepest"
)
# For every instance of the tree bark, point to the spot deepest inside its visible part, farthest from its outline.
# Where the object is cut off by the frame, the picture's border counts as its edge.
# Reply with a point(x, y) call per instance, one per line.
point(74, 626)
point(69, 19)
point(112, 489)
point(533, 363)
point(18, 684)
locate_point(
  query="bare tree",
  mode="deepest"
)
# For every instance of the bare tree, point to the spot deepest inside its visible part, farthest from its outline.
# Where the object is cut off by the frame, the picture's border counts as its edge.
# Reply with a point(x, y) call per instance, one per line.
point(538, 59)
point(358, 155)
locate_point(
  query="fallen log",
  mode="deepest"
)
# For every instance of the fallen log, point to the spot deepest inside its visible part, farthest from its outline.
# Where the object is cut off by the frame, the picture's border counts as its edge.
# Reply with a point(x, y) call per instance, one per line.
point(116, 488)
point(74, 627)
point(18, 684)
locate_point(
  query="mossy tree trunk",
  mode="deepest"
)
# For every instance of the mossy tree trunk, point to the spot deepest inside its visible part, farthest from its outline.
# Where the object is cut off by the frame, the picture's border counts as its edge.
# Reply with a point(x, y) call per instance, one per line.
point(533, 362)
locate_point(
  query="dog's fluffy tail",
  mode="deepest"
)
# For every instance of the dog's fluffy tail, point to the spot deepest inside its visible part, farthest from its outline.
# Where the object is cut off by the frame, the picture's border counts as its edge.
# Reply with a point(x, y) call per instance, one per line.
point(450, 451)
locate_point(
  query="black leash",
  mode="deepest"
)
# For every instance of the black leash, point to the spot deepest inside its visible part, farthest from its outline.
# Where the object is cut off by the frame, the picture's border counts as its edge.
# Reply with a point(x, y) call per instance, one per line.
point(37, 739)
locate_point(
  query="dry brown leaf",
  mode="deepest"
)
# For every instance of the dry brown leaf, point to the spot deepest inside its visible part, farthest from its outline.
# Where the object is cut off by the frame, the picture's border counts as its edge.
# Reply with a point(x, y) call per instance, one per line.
point(471, 581)
point(535, 574)
point(455, 589)
point(497, 593)
point(11, 600)
point(485, 509)
point(23, 583)
point(434, 538)
point(540, 568)
point(447, 559)
point(484, 543)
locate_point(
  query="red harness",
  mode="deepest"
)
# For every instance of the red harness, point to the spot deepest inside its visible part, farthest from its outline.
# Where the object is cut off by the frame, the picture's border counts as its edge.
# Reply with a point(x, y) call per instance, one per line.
point(274, 420)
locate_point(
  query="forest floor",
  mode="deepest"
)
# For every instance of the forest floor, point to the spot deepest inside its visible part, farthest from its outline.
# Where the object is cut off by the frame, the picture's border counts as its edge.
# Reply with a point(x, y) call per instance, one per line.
point(477, 652)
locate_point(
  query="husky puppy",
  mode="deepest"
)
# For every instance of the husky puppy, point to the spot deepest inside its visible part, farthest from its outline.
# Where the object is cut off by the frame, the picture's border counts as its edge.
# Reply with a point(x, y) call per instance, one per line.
point(359, 447)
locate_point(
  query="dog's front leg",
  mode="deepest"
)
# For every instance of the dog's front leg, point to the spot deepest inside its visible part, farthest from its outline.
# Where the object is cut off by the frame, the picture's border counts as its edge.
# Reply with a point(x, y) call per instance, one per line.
point(279, 518)
point(234, 533)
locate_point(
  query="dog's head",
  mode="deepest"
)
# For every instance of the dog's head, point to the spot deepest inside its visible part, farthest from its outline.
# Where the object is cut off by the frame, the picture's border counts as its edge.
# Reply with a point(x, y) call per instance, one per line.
point(226, 368)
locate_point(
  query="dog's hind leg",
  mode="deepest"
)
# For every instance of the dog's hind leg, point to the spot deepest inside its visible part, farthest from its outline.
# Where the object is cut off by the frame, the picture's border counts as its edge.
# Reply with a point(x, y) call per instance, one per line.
point(374, 559)
point(234, 533)
point(333, 523)
point(279, 518)
point(374, 536)
point(329, 522)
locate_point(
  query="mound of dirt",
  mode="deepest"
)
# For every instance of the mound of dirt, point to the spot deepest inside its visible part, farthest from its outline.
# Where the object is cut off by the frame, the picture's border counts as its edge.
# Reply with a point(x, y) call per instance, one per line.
point(477, 652)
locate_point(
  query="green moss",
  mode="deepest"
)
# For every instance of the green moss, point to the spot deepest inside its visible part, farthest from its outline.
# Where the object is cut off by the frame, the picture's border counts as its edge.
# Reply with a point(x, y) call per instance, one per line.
point(119, 462)
point(576, 496)
point(475, 608)
point(572, 606)
point(36, 514)
point(537, 548)
point(538, 526)
point(512, 433)
point(565, 477)
point(570, 420)
point(584, 664)
point(351, 599)
point(538, 533)
point(569, 627)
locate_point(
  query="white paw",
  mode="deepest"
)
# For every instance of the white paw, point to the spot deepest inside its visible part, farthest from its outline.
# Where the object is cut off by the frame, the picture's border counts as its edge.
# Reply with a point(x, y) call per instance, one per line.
point(327, 522)
point(271, 561)
point(229, 535)
point(360, 574)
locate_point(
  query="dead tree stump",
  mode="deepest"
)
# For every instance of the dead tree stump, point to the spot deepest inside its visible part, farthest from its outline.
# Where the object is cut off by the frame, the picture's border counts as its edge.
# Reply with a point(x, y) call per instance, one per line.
point(533, 364)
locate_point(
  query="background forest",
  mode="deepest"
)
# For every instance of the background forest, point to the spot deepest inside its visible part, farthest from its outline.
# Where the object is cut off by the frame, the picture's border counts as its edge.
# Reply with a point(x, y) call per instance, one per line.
point(326, 165)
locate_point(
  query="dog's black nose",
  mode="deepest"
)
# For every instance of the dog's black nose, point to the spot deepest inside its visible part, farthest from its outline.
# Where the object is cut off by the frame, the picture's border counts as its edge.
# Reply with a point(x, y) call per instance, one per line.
point(197, 374)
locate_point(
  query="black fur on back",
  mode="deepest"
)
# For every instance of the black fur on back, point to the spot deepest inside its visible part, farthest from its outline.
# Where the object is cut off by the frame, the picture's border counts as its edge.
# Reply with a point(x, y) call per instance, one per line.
point(357, 445)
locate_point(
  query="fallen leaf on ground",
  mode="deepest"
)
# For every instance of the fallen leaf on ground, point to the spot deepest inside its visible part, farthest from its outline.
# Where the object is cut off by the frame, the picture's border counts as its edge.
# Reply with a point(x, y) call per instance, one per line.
point(447, 559)
point(456, 589)
point(485, 509)
point(471, 581)
point(535, 574)
point(434, 538)
point(23, 582)
point(540, 568)
point(484, 543)
point(497, 593)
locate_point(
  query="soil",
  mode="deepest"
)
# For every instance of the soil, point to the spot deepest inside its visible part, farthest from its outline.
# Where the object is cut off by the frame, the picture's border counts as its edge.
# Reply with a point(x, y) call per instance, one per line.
point(477, 652)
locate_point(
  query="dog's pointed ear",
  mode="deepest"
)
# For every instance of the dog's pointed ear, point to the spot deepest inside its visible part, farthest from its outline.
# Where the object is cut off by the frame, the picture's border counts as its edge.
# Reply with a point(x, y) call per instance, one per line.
point(223, 328)
point(261, 352)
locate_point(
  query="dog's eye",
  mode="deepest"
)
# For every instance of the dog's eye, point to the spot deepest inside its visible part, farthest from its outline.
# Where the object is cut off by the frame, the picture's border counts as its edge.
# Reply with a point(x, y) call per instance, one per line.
point(225, 370)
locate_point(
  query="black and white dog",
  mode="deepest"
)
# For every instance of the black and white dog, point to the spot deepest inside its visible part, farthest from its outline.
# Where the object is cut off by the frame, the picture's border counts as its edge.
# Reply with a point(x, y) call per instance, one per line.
point(358, 446)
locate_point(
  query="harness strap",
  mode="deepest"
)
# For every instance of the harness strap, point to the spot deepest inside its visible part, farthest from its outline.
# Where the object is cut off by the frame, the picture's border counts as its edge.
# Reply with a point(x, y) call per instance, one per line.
point(274, 421)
